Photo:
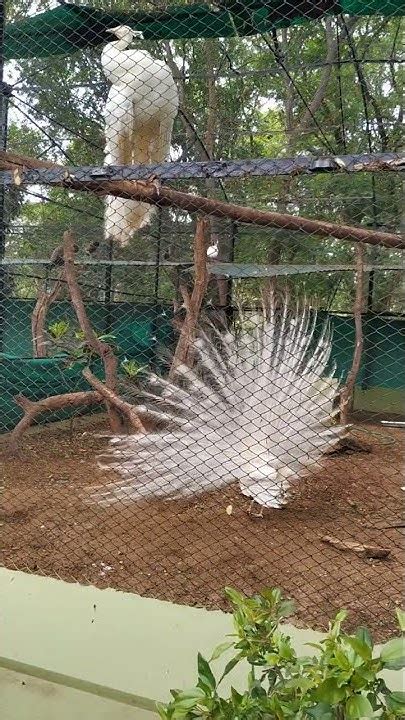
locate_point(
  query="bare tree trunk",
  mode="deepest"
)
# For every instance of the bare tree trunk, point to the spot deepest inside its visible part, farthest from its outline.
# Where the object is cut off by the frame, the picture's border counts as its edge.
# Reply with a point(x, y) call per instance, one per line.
point(102, 349)
point(276, 247)
point(193, 302)
point(347, 392)
point(210, 137)
point(45, 299)
point(320, 93)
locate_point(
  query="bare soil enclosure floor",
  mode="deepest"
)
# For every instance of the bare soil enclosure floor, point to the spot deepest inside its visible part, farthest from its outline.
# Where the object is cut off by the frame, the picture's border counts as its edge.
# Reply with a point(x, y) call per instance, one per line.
point(187, 552)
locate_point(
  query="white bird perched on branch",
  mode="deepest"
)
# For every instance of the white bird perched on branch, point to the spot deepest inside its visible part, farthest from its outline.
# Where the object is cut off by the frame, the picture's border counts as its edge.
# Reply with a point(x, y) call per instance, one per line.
point(139, 114)
point(256, 408)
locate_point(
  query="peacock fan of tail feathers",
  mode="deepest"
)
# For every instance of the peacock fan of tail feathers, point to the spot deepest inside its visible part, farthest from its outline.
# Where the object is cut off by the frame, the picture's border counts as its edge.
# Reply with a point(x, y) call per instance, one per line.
point(256, 408)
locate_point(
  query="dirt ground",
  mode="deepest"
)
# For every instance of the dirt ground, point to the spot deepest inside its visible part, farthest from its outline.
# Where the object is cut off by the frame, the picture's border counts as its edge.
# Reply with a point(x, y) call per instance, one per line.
point(187, 552)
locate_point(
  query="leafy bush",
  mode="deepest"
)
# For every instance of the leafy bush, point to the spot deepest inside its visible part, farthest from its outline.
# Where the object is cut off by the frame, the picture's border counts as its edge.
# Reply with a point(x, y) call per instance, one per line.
point(342, 681)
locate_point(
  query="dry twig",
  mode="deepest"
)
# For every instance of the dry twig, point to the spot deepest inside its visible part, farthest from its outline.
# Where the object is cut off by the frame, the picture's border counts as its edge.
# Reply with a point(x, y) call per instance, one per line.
point(102, 349)
point(45, 299)
point(110, 397)
point(370, 551)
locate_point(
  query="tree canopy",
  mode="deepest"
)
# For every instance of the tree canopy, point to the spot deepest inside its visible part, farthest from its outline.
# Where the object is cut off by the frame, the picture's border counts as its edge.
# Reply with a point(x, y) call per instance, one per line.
point(330, 86)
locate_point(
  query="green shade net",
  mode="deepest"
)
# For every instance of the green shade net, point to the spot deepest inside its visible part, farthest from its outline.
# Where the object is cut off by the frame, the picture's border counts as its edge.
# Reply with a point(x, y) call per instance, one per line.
point(68, 28)
point(139, 331)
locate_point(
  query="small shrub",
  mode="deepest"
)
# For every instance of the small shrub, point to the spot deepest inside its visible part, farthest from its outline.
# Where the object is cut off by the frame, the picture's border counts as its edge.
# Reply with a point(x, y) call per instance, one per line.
point(342, 681)
point(132, 369)
point(59, 330)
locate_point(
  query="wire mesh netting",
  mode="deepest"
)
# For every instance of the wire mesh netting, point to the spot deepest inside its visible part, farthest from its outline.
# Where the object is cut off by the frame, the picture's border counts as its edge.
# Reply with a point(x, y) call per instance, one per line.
point(202, 301)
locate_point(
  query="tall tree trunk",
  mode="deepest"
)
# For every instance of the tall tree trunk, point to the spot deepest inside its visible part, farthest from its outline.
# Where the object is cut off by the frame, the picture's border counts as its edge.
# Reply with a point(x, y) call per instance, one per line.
point(347, 392)
point(210, 138)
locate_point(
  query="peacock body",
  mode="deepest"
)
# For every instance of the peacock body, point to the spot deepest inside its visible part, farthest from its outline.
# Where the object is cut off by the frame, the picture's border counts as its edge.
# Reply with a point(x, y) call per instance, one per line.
point(256, 408)
point(139, 114)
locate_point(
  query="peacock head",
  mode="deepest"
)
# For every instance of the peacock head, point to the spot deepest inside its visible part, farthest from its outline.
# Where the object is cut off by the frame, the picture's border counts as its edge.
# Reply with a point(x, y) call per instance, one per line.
point(125, 33)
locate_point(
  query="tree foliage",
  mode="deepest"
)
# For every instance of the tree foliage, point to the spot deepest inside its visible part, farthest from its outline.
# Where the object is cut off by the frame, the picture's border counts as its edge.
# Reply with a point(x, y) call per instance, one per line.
point(331, 86)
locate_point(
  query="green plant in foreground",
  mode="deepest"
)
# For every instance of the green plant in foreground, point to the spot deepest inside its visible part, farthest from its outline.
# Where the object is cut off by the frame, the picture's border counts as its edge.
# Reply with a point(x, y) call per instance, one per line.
point(341, 681)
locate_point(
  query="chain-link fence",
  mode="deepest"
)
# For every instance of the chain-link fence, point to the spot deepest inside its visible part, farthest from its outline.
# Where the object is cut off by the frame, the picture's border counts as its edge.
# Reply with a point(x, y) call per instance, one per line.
point(202, 301)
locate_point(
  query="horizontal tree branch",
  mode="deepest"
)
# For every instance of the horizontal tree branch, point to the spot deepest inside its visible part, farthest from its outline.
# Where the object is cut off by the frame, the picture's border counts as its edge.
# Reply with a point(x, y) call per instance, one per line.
point(34, 408)
point(152, 193)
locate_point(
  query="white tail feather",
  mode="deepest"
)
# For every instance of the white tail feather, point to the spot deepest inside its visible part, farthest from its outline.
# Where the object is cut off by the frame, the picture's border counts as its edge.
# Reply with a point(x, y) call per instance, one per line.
point(257, 409)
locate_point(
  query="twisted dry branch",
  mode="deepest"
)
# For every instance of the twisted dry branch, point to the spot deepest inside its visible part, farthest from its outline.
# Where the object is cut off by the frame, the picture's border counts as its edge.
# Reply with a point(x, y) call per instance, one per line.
point(34, 408)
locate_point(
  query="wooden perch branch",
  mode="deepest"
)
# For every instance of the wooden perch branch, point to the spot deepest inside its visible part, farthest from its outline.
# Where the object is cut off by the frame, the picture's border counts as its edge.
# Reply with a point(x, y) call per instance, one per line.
point(117, 408)
point(110, 397)
point(347, 392)
point(152, 193)
point(32, 409)
point(102, 349)
point(193, 302)
point(38, 320)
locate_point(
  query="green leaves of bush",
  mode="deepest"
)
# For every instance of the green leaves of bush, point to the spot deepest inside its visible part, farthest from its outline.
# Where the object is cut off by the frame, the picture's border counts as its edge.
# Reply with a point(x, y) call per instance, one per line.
point(342, 681)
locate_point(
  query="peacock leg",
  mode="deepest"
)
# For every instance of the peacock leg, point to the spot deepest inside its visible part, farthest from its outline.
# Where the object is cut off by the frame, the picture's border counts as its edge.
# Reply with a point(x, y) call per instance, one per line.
point(255, 514)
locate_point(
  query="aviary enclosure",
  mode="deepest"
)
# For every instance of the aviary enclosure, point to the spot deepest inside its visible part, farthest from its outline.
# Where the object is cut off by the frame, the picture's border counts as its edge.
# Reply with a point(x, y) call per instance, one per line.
point(201, 300)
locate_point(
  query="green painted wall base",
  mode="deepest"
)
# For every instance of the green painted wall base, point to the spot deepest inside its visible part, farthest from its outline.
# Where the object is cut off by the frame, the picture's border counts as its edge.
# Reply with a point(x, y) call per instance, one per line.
point(72, 651)
point(24, 697)
point(380, 400)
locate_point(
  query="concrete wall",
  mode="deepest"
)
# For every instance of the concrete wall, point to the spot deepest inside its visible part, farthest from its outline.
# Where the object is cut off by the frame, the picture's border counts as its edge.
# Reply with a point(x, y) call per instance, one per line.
point(73, 651)
point(380, 400)
point(24, 697)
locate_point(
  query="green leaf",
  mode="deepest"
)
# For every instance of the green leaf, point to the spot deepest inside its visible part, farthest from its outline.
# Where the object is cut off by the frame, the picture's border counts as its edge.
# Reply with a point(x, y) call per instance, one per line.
point(321, 711)
point(205, 674)
point(401, 618)
point(195, 693)
point(358, 706)
point(396, 702)
point(393, 654)
point(230, 666)
point(329, 692)
point(360, 647)
point(236, 598)
point(162, 710)
point(342, 660)
point(334, 631)
point(364, 635)
point(341, 616)
point(236, 697)
point(220, 649)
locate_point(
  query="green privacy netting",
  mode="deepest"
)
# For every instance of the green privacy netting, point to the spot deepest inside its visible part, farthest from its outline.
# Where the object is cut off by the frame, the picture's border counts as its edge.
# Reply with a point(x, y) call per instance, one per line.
point(139, 330)
point(67, 28)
